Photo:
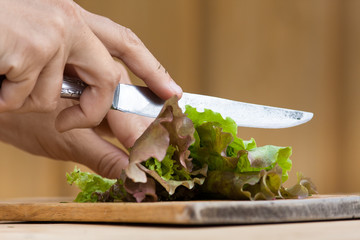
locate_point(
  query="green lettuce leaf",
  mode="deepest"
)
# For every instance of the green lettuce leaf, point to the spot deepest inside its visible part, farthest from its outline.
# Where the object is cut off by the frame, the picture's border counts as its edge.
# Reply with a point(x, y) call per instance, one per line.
point(217, 145)
point(95, 188)
point(265, 157)
point(89, 184)
point(168, 168)
point(198, 118)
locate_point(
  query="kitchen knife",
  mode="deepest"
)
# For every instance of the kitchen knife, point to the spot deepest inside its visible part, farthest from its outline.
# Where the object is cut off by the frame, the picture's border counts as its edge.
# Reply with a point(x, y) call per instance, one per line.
point(142, 101)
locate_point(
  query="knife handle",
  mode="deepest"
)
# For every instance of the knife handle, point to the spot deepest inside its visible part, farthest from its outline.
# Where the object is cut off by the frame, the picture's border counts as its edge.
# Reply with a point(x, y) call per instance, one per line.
point(71, 87)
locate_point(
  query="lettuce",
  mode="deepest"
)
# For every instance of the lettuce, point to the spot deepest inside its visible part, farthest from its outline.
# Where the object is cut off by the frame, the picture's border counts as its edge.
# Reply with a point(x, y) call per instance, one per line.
point(171, 127)
point(168, 168)
point(196, 155)
point(221, 149)
point(95, 188)
point(90, 184)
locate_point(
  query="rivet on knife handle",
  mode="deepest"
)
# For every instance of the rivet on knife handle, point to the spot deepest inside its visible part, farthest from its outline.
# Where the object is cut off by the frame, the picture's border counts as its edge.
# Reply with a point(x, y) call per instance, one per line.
point(72, 88)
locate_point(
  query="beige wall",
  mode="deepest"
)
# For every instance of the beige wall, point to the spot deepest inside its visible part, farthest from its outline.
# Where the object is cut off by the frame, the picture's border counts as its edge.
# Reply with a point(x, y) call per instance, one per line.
point(297, 54)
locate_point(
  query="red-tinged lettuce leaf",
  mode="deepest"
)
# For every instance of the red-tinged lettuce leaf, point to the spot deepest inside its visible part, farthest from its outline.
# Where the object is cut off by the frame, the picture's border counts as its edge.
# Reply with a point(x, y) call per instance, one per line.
point(181, 131)
point(302, 189)
point(198, 177)
point(263, 185)
point(116, 193)
point(142, 192)
point(153, 143)
point(171, 127)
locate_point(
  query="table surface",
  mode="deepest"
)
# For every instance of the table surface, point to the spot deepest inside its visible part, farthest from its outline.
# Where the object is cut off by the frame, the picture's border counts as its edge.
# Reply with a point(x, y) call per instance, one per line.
point(346, 229)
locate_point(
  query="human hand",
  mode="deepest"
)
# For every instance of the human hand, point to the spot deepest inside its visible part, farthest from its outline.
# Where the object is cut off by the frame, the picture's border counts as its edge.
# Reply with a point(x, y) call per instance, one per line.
point(40, 38)
point(36, 134)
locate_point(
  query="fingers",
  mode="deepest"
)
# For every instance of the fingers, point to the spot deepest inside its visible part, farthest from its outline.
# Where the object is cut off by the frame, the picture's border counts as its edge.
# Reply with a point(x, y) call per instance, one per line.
point(35, 88)
point(127, 127)
point(14, 92)
point(94, 65)
point(19, 83)
point(29, 41)
point(124, 44)
point(46, 93)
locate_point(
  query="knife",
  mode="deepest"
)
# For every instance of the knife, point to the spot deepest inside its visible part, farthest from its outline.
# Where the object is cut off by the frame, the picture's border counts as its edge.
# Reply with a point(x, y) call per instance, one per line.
point(142, 101)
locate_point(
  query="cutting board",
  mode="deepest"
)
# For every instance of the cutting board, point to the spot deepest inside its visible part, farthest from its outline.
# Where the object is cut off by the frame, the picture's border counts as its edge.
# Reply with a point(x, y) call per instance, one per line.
point(319, 207)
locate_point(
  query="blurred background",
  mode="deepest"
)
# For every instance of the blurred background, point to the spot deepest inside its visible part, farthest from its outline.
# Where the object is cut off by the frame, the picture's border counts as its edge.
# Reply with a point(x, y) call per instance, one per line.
point(300, 54)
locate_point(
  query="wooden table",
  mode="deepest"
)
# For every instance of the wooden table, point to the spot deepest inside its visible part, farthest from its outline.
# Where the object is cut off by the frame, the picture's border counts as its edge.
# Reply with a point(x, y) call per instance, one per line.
point(349, 229)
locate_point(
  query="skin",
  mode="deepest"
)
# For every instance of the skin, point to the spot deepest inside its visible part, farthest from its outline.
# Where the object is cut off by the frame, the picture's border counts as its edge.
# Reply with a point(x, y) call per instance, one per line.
point(45, 39)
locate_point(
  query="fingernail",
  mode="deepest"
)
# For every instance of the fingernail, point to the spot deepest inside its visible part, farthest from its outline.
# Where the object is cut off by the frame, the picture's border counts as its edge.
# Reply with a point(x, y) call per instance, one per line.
point(176, 88)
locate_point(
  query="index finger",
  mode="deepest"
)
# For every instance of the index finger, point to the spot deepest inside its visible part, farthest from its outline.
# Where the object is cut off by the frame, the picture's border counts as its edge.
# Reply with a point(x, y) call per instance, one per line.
point(122, 43)
point(94, 65)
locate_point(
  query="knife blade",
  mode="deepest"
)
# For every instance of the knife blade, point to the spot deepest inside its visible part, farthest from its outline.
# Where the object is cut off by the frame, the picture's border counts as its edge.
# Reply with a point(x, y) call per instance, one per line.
point(142, 101)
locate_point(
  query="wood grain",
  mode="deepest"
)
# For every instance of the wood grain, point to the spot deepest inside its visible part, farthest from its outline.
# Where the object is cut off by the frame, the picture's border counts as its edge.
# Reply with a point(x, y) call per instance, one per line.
point(188, 212)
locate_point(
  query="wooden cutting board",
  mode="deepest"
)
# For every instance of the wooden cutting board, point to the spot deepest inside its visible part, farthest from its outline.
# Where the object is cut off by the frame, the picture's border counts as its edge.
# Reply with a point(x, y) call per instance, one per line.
point(315, 208)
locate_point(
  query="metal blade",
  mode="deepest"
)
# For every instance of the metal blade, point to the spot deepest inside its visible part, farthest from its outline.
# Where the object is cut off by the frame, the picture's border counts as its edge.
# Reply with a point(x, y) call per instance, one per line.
point(142, 101)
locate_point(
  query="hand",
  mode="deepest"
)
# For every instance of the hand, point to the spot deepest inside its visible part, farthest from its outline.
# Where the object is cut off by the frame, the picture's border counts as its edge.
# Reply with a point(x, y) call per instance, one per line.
point(40, 38)
point(36, 133)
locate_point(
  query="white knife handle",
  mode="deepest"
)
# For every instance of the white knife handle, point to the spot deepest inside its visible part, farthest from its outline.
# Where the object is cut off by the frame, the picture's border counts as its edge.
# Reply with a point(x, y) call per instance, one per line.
point(71, 87)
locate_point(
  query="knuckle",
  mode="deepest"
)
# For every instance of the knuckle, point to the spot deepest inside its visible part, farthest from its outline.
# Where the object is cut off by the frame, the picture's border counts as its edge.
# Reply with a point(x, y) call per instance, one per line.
point(41, 46)
point(58, 24)
point(106, 20)
point(112, 79)
point(130, 39)
point(14, 63)
point(45, 45)
point(68, 10)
